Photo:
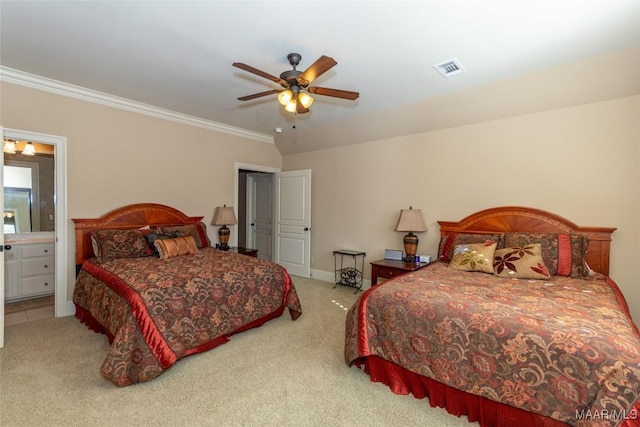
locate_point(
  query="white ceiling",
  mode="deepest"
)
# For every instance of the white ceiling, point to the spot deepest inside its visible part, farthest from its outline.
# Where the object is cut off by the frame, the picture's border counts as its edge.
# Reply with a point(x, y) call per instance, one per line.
point(177, 55)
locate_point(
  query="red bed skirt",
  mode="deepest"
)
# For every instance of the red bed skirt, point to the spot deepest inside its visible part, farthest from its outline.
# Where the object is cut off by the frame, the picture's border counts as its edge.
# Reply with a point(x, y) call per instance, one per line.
point(486, 412)
point(477, 408)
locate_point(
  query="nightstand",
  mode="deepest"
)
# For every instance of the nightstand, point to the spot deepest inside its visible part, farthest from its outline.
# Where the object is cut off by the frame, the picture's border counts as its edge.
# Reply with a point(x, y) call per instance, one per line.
point(388, 269)
point(244, 251)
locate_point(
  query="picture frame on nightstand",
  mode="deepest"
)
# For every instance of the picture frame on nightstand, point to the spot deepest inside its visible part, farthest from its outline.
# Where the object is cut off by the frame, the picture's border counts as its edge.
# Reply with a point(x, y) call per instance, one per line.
point(393, 254)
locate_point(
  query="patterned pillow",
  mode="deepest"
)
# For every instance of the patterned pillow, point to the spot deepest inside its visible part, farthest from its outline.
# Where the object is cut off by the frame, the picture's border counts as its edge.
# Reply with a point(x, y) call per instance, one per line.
point(474, 257)
point(548, 243)
point(198, 231)
point(447, 243)
point(153, 236)
point(114, 244)
point(524, 262)
point(578, 251)
point(168, 248)
point(563, 254)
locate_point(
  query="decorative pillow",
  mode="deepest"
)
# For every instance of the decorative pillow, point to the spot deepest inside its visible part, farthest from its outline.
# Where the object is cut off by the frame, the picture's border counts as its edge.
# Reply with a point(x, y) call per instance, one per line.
point(563, 254)
point(474, 257)
point(178, 246)
point(114, 244)
point(548, 244)
point(198, 231)
point(447, 243)
point(153, 236)
point(525, 262)
point(572, 251)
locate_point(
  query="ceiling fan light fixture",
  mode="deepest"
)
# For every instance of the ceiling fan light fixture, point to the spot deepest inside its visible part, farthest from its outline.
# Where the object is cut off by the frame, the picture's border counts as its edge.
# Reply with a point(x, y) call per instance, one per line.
point(305, 99)
point(285, 97)
point(291, 106)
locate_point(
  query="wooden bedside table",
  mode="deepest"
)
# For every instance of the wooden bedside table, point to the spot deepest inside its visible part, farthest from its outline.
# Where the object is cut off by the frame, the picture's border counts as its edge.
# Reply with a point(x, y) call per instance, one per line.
point(388, 269)
point(244, 251)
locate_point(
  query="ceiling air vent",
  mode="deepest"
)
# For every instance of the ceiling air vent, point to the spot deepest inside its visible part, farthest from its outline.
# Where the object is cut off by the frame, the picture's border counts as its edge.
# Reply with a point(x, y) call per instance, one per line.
point(449, 68)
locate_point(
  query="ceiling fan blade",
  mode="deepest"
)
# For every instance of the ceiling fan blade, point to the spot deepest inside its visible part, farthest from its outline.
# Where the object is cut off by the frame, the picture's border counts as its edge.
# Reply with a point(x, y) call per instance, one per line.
point(300, 108)
point(315, 70)
point(260, 73)
point(336, 93)
point(258, 95)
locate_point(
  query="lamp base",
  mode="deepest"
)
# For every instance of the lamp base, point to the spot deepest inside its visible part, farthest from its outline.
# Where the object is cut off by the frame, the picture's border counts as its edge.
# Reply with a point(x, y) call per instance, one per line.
point(223, 235)
point(410, 247)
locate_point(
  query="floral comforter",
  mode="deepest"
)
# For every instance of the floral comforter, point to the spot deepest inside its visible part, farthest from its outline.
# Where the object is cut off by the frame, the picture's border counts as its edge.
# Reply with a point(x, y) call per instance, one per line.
point(156, 311)
point(563, 348)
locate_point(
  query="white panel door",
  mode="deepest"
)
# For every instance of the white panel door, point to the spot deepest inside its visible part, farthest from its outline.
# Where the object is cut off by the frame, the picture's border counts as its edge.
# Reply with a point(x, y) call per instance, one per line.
point(293, 222)
point(260, 209)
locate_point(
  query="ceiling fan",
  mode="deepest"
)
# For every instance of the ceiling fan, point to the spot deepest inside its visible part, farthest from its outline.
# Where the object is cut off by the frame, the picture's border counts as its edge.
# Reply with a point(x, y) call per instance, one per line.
point(295, 95)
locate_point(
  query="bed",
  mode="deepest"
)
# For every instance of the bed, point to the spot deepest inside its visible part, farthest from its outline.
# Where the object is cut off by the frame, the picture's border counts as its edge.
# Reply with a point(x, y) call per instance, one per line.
point(157, 308)
point(550, 343)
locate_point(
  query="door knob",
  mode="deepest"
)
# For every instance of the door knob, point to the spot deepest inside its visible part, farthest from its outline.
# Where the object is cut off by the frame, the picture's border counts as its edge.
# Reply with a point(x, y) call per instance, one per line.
point(253, 223)
point(306, 229)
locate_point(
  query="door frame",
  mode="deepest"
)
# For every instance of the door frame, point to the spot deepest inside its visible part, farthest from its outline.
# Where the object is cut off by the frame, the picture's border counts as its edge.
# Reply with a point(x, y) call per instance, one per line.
point(62, 307)
point(236, 188)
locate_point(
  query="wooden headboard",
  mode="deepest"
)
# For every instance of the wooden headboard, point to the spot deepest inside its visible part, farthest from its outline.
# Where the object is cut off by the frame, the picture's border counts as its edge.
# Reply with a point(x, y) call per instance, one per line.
point(127, 217)
point(529, 220)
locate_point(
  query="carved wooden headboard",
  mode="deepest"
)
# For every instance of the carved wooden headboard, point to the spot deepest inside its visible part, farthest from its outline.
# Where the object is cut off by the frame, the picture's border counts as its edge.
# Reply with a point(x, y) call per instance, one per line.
point(530, 220)
point(127, 217)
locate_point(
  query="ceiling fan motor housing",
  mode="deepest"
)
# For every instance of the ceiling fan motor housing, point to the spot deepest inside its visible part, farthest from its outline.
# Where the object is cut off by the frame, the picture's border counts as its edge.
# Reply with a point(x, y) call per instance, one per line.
point(294, 59)
point(291, 77)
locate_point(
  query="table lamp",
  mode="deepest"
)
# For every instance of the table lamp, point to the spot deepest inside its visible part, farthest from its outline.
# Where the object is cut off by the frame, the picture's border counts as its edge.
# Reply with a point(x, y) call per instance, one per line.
point(224, 216)
point(411, 220)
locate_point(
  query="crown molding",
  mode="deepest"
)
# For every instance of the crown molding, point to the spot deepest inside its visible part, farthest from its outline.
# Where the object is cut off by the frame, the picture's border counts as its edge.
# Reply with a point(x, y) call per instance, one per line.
point(33, 81)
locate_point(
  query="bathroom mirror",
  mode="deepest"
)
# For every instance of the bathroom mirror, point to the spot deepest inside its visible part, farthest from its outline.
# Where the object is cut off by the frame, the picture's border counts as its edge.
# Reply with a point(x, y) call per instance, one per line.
point(29, 196)
point(17, 210)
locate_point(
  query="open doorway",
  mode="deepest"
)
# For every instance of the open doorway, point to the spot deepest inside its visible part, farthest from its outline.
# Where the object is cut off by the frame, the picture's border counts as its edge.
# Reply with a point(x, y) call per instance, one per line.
point(255, 212)
point(243, 233)
point(63, 307)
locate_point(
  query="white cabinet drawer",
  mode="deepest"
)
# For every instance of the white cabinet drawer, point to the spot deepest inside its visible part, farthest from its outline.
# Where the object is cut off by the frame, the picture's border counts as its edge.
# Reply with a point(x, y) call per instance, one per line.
point(37, 266)
point(38, 285)
point(30, 251)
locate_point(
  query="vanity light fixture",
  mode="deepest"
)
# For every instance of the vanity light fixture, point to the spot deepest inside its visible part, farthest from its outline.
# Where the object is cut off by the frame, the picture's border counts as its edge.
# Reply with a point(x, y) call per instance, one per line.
point(9, 146)
point(29, 149)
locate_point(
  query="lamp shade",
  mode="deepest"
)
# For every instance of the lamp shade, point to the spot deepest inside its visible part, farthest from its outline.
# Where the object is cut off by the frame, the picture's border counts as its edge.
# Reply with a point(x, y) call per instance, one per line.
point(305, 99)
point(411, 220)
point(9, 146)
point(285, 96)
point(224, 216)
point(29, 149)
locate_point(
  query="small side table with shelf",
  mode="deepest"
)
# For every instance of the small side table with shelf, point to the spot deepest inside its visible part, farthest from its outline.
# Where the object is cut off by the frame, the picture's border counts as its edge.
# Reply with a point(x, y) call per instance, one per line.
point(349, 275)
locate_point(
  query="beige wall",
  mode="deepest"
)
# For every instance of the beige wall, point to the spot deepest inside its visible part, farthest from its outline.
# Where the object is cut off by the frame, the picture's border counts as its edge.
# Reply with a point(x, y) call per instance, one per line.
point(582, 163)
point(116, 157)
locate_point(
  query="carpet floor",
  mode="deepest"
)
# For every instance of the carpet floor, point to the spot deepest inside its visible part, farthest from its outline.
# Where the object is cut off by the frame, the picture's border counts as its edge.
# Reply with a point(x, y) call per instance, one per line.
point(284, 373)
